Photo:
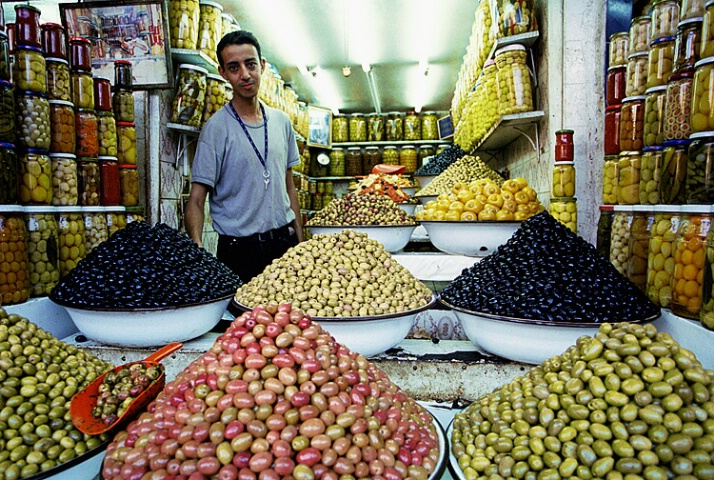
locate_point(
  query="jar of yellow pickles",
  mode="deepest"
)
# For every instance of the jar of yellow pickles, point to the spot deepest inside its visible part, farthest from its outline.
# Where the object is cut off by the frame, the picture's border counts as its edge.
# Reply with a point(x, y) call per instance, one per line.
point(609, 180)
point(71, 238)
point(660, 61)
point(650, 174)
point(42, 249)
point(515, 93)
point(126, 143)
point(702, 107)
point(660, 254)
point(563, 179)
point(653, 130)
point(35, 173)
point(689, 259)
point(210, 28)
point(14, 282)
point(707, 43)
point(628, 180)
point(642, 222)
point(184, 16)
point(116, 219)
point(64, 179)
point(340, 129)
point(565, 210)
point(29, 70)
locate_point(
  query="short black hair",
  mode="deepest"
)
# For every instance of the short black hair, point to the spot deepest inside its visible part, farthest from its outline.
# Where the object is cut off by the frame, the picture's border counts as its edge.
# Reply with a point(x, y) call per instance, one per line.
point(239, 37)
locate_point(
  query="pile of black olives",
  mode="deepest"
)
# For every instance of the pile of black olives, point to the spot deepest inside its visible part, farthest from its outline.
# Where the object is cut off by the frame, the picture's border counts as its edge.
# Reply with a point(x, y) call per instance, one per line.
point(145, 267)
point(441, 161)
point(547, 272)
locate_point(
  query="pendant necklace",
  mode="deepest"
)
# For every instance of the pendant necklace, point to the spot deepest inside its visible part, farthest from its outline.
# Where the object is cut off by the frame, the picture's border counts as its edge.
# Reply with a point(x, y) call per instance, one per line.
point(266, 172)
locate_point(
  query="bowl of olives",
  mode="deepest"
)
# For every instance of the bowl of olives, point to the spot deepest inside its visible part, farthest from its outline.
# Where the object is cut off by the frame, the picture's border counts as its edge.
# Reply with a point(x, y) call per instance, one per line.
point(393, 237)
point(471, 238)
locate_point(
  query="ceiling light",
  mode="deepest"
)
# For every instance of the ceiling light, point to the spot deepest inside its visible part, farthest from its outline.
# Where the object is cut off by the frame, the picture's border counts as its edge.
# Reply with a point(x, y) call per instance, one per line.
point(346, 71)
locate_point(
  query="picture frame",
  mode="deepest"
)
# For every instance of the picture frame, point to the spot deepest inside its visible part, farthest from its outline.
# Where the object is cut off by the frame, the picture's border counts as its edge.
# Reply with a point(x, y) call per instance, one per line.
point(320, 131)
point(133, 30)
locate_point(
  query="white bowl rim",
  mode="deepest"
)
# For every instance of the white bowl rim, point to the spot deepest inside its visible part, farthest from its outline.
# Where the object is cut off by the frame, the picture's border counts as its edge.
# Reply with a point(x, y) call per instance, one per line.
point(142, 309)
point(470, 222)
point(453, 461)
point(444, 450)
point(352, 227)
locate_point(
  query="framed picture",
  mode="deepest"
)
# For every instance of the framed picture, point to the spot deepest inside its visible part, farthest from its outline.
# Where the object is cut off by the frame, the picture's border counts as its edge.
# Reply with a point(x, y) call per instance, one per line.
point(320, 133)
point(134, 30)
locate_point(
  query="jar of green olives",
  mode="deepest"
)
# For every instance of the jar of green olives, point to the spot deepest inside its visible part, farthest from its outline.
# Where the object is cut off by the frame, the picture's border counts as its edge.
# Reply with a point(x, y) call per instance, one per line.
point(358, 127)
point(412, 126)
point(65, 182)
point(340, 129)
point(62, 128)
point(430, 126)
point(620, 238)
point(215, 96)
point(33, 120)
point(72, 247)
point(116, 219)
point(674, 172)
point(95, 227)
point(4, 57)
point(375, 127)
point(707, 44)
point(639, 38)
point(609, 180)
point(665, 16)
point(660, 61)
point(515, 17)
point(390, 155)
point(190, 95)
point(7, 112)
point(394, 127)
point(650, 174)
point(689, 34)
point(30, 69)
point(107, 134)
point(425, 151)
point(653, 130)
point(58, 79)
point(82, 89)
point(699, 184)
point(42, 249)
point(129, 185)
point(35, 172)
point(14, 282)
point(660, 258)
point(184, 16)
point(210, 28)
point(515, 93)
point(408, 158)
point(123, 105)
point(8, 174)
point(702, 111)
point(126, 137)
point(337, 162)
point(89, 181)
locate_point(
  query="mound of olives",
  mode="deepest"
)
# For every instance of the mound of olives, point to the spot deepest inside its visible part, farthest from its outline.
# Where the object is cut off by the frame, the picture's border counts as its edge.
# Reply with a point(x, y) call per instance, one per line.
point(464, 170)
point(345, 274)
point(547, 272)
point(277, 397)
point(141, 266)
point(441, 162)
point(361, 209)
point(119, 389)
point(39, 376)
point(629, 403)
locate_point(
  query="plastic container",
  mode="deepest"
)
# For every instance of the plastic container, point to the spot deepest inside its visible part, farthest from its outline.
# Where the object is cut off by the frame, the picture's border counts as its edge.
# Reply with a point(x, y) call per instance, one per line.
point(59, 84)
point(102, 94)
point(123, 79)
point(35, 172)
point(563, 180)
point(615, 90)
point(29, 71)
point(665, 16)
point(660, 256)
point(408, 158)
point(126, 148)
point(642, 222)
point(650, 174)
point(707, 43)
point(337, 163)
point(699, 184)
point(86, 126)
point(412, 126)
point(637, 68)
point(565, 210)
point(610, 179)
point(183, 22)
point(210, 28)
point(54, 40)
point(390, 155)
point(353, 161)
point(27, 26)
point(430, 125)
point(358, 127)
point(4, 57)
point(7, 113)
point(653, 131)
point(689, 34)
point(689, 260)
point(89, 181)
point(375, 127)
point(620, 239)
point(660, 61)
point(107, 135)
point(604, 230)
point(110, 191)
point(394, 127)
point(628, 178)
point(515, 17)
point(65, 189)
point(95, 227)
point(691, 9)
point(62, 128)
point(632, 123)
point(80, 58)
point(619, 46)
point(674, 172)
point(639, 34)
point(9, 176)
point(14, 281)
point(123, 105)
point(82, 90)
point(129, 185)
point(340, 129)
point(677, 107)
point(71, 238)
point(42, 249)
point(33, 120)
point(190, 95)
point(515, 91)
point(116, 219)
point(215, 96)
point(702, 105)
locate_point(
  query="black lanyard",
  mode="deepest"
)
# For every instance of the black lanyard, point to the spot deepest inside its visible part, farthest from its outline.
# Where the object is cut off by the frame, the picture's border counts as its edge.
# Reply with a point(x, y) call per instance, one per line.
point(250, 139)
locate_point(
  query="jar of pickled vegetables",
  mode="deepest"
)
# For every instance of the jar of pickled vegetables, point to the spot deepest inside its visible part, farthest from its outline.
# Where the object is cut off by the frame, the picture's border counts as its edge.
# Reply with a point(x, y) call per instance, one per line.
point(628, 178)
point(42, 249)
point(430, 126)
point(123, 105)
point(4, 57)
point(702, 111)
point(637, 67)
point(412, 126)
point(372, 156)
point(126, 149)
point(604, 230)
point(707, 43)
point(71, 238)
point(375, 127)
point(58, 79)
point(653, 131)
point(123, 79)
point(7, 113)
point(563, 179)
point(610, 179)
point(642, 222)
point(8, 174)
point(619, 46)
point(632, 123)
point(80, 58)
point(27, 26)
point(358, 127)
point(515, 17)
point(14, 281)
point(89, 181)
point(116, 219)
point(699, 184)
point(33, 120)
point(102, 93)
point(109, 189)
point(390, 155)
point(408, 158)
point(660, 61)
point(674, 172)
point(29, 72)
point(425, 151)
point(620, 238)
point(337, 162)
point(86, 127)
point(183, 23)
point(615, 89)
point(63, 138)
point(210, 28)
point(394, 127)
point(650, 174)
point(665, 16)
point(129, 185)
point(689, 34)
point(677, 107)
point(190, 95)
point(35, 172)
point(515, 93)
point(639, 37)
point(107, 134)
point(353, 161)
point(691, 9)
point(54, 40)
point(689, 260)
point(65, 182)
point(95, 227)
point(215, 96)
point(340, 129)
point(82, 89)
point(660, 255)
point(565, 210)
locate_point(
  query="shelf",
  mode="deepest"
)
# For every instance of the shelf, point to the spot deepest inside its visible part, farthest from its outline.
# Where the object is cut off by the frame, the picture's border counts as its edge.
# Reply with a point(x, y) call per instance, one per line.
point(396, 144)
point(183, 128)
point(194, 57)
point(506, 130)
point(526, 39)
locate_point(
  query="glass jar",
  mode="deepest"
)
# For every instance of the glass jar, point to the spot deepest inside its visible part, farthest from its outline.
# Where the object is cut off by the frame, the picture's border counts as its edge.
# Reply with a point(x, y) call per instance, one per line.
point(123, 105)
point(82, 90)
point(358, 127)
point(689, 35)
point(71, 239)
point(116, 219)
point(430, 125)
point(86, 127)
point(677, 107)
point(702, 109)
point(390, 155)
point(639, 37)
point(564, 149)
point(563, 179)
point(604, 230)
point(42, 249)
point(27, 26)
point(340, 129)
point(637, 67)
point(14, 281)
point(123, 79)
point(699, 184)
point(620, 239)
point(62, 138)
point(95, 227)
point(80, 58)
point(8, 174)
point(33, 120)
point(126, 149)
point(425, 151)
point(394, 127)
point(707, 43)
point(653, 131)
point(107, 134)
point(565, 210)
point(58, 80)
point(228, 24)
point(134, 214)
point(691, 9)
point(10, 30)
point(29, 72)
point(109, 189)
point(353, 161)
point(64, 179)
point(89, 181)
point(674, 172)
point(642, 222)
point(609, 180)
point(689, 259)
point(183, 22)
point(210, 28)
point(632, 123)
point(665, 16)
point(215, 96)
point(615, 90)
point(54, 40)
point(515, 93)
point(372, 156)
point(337, 162)
point(375, 127)
point(660, 61)
point(129, 185)
point(619, 46)
point(650, 174)
point(628, 178)
point(408, 158)
point(103, 94)
point(515, 17)
point(660, 254)
point(4, 57)
point(190, 95)
point(412, 126)
point(35, 171)
point(7, 113)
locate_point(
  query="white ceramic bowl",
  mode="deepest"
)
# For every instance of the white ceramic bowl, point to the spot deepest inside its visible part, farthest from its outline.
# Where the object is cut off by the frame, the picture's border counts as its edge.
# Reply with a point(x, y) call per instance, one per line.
point(522, 340)
point(443, 450)
point(424, 199)
point(148, 327)
point(393, 237)
point(473, 239)
point(453, 461)
point(409, 208)
point(424, 180)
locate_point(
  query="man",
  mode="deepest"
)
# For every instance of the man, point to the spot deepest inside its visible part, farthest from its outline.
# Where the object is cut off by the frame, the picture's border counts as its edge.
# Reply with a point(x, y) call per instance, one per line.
point(244, 159)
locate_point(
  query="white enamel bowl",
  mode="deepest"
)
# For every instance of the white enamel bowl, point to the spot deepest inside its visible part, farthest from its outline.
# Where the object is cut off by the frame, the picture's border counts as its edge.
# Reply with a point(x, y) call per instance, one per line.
point(470, 238)
point(393, 237)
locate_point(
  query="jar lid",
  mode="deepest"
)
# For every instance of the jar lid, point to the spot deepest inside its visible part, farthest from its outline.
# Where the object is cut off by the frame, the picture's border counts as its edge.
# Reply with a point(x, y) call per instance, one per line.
point(125, 124)
point(39, 209)
point(563, 199)
point(127, 167)
point(640, 19)
point(354, 148)
point(107, 158)
point(629, 153)
point(11, 208)
point(390, 146)
point(684, 23)
point(101, 79)
point(7, 145)
point(37, 151)
point(372, 147)
point(61, 102)
point(695, 136)
point(56, 60)
point(617, 67)
point(94, 209)
point(653, 148)
point(516, 47)
point(357, 115)
point(211, 4)
point(429, 113)
point(637, 55)
point(5, 83)
point(657, 41)
point(79, 40)
point(27, 6)
point(62, 210)
point(215, 76)
point(558, 132)
point(85, 110)
point(51, 25)
point(657, 89)
point(68, 156)
point(337, 148)
point(676, 143)
point(88, 159)
point(620, 34)
point(408, 146)
point(570, 162)
point(394, 113)
point(704, 61)
point(634, 98)
point(606, 208)
point(28, 47)
point(188, 66)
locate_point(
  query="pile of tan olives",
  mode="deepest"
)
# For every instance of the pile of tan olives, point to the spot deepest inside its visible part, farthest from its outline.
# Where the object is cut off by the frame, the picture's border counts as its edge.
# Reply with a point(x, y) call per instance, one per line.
point(358, 209)
point(40, 374)
point(629, 403)
point(276, 397)
point(119, 389)
point(464, 170)
point(345, 274)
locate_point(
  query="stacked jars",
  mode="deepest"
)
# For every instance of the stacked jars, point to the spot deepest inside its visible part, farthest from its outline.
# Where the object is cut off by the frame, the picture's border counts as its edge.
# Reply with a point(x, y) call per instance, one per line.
point(689, 34)
point(358, 127)
point(71, 239)
point(604, 230)
point(702, 111)
point(14, 281)
point(42, 249)
point(337, 162)
point(109, 187)
point(628, 178)
point(7, 113)
point(563, 204)
point(707, 43)
point(632, 119)
point(215, 96)
point(184, 16)
point(650, 174)
point(515, 92)
point(129, 185)
point(122, 98)
point(190, 95)
point(660, 61)
point(210, 28)
point(429, 126)
point(35, 172)
point(353, 162)
point(375, 127)
point(116, 219)
point(9, 175)
point(653, 132)
point(95, 227)
point(620, 238)
point(412, 126)
point(394, 127)
point(372, 157)
point(609, 180)
point(677, 107)
point(408, 158)
point(674, 171)
point(390, 155)
point(699, 184)
point(660, 256)
point(65, 183)
point(689, 260)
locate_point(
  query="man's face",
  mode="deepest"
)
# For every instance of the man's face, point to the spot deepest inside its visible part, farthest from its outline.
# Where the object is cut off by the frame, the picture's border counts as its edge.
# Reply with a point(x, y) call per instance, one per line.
point(242, 68)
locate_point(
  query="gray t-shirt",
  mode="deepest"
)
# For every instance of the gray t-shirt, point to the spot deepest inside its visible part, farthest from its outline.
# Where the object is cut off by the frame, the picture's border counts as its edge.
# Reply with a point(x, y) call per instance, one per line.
point(226, 162)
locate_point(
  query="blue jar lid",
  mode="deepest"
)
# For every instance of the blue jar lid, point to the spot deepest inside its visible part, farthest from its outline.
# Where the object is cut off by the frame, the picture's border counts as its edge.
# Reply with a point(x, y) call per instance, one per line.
point(677, 143)
point(30, 93)
point(28, 47)
point(653, 148)
point(37, 151)
point(5, 83)
point(7, 145)
point(661, 40)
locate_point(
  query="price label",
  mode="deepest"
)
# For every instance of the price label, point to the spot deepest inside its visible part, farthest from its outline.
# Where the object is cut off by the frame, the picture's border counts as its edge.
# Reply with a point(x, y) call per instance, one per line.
point(33, 225)
point(675, 225)
point(706, 225)
point(88, 223)
point(63, 223)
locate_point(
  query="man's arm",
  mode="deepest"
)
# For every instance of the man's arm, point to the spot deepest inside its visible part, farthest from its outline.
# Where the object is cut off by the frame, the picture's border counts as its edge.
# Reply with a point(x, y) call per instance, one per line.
point(194, 216)
point(292, 194)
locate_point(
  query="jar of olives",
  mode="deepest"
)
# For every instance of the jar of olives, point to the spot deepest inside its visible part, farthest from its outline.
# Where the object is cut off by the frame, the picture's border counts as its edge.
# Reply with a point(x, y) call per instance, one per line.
point(408, 158)
point(82, 90)
point(95, 227)
point(210, 28)
point(109, 189)
point(64, 179)
point(8, 174)
point(677, 106)
point(514, 80)
point(660, 255)
point(183, 23)
point(707, 43)
point(642, 222)
point(637, 67)
point(375, 127)
point(353, 162)
point(674, 172)
point(620, 239)
point(660, 61)
point(628, 178)
point(33, 120)
point(515, 17)
point(425, 151)
point(30, 69)
point(129, 185)
point(42, 249)
point(116, 219)
point(412, 126)
point(14, 282)
point(86, 126)
point(358, 127)
point(372, 156)
point(394, 127)
point(126, 136)
point(650, 174)
point(58, 79)
point(699, 184)
point(563, 179)
point(190, 95)
point(604, 230)
point(340, 129)
point(653, 133)
point(80, 58)
point(72, 247)
point(691, 9)
point(4, 57)
point(702, 113)
point(565, 210)
point(665, 16)
point(35, 171)
point(89, 181)
point(612, 129)
point(615, 89)
point(7, 113)
point(54, 40)
point(430, 125)
point(619, 46)
point(610, 179)
point(215, 96)
point(337, 162)
point(123, 105)
point(107, 134)
point(689, 260)
point(632, 118)
point(639, 38)
point(390, 155)
point(689, 34)
point(229, 24)
point(27, 26)
point(102, 93)
point(63, 139)
point(123, 79)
